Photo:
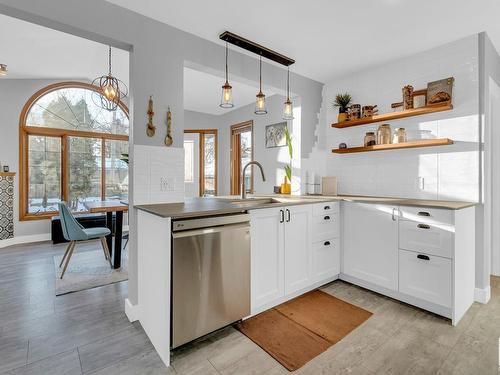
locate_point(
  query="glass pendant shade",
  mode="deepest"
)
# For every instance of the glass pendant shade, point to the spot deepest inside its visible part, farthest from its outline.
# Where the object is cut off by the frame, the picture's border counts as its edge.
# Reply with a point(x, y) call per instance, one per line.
point(3, 70)
point(260, 101)
point(260, 104)
point(288, 105)
point(288, 110)
point(226, 100)
point(111, 90)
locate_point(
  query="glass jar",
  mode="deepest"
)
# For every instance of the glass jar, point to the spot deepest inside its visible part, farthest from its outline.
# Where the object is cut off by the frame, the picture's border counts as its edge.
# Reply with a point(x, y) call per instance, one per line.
point(384, 134)
point(399, 135)
point(370, 139)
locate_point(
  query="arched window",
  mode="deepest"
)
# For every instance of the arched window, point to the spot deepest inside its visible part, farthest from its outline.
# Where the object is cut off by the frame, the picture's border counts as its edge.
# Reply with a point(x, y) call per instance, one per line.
point(70, 150)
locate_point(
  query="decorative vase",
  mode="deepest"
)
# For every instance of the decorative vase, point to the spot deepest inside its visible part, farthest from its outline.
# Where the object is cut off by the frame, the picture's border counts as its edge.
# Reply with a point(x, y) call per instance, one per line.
point(342, 116)
point(286, 188)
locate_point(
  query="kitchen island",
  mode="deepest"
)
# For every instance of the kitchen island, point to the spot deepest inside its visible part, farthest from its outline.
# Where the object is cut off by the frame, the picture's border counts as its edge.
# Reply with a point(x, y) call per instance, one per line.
point(418, 251)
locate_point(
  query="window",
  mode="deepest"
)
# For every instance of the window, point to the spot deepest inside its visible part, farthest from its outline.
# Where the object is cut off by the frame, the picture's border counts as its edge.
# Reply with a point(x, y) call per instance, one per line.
point(188, 161)
point(70, 150)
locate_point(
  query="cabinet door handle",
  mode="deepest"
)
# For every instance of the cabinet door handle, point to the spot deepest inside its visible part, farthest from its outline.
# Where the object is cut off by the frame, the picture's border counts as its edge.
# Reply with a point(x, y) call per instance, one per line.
point(327, 243)
point(326, 207)
point(423, 226)
point(282, 216)
point(287, 215)
point(424, 213)
point(423, 257)
point(393, 214)
point(326, 217)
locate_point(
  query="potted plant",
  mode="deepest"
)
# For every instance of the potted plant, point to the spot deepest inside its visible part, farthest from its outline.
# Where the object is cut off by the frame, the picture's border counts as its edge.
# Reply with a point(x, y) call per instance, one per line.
point(286, 187)
point(342, 101)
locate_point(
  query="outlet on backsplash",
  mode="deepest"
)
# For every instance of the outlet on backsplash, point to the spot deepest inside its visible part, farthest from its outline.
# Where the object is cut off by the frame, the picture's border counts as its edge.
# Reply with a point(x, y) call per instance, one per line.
point(420, 182)
point(166, 184)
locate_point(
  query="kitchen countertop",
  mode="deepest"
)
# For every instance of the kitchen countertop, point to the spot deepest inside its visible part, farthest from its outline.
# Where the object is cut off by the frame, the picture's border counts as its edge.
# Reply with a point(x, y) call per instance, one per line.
point(196, 207)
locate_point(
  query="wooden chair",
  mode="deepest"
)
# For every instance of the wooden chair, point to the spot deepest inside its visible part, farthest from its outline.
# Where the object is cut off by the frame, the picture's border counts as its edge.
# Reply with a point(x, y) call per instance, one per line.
point(74, 232)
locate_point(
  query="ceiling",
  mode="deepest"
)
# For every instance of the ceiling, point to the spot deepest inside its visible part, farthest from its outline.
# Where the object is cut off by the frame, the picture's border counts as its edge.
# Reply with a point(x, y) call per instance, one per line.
point(331, 38)
point(202, 92)
point(32, 51)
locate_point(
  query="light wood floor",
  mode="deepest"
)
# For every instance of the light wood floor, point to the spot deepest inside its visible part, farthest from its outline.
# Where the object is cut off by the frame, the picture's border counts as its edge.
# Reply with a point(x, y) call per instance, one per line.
point(88, 333)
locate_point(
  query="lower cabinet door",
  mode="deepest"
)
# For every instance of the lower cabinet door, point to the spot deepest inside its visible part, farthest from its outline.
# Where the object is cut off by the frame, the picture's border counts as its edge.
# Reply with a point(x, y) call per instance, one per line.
point(370, 248)
point(267, 256)
point(425, 276)
point(325, 259)
point(298, 245)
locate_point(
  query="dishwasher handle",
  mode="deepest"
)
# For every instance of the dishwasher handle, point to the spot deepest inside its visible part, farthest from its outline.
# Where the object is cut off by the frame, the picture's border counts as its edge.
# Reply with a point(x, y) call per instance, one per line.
point(201, 231)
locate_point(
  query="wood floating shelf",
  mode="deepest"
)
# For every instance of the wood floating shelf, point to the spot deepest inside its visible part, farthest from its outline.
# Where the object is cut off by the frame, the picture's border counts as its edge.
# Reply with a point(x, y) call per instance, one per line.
point(395, 146)
point(393, 116)
point(7, 174)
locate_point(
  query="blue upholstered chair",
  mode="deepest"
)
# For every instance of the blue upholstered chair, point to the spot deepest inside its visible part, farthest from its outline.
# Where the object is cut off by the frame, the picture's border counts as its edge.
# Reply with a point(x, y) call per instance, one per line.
point(73, 232)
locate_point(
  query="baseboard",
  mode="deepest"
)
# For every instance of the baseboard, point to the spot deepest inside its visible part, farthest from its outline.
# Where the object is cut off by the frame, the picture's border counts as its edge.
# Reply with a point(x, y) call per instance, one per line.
point(25, 239)
point(132, 311)
point(482, 295)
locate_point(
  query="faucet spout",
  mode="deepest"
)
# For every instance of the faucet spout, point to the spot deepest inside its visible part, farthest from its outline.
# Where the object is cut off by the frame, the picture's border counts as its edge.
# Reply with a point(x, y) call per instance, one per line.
point(243, 185)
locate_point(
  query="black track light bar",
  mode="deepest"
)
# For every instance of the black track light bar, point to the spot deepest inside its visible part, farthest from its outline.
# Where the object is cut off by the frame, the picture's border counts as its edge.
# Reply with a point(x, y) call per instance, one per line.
point(256, 48)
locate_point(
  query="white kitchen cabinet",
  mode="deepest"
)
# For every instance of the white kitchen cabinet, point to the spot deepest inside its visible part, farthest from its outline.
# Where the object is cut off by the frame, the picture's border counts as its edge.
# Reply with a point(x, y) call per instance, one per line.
point(436, 239)
point(325, 259)
point(425, 276)
point(370, 243)
point(298, 262)
point(267, 256)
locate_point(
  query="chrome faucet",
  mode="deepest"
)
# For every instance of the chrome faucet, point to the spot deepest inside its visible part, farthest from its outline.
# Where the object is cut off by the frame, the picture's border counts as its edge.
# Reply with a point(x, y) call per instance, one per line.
point(243, 187)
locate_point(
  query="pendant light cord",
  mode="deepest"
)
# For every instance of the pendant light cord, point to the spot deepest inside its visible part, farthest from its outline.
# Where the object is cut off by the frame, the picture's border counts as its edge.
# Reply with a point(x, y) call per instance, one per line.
point(288, 83)
point(109, 57)
point(260, 74)
point(226, 63)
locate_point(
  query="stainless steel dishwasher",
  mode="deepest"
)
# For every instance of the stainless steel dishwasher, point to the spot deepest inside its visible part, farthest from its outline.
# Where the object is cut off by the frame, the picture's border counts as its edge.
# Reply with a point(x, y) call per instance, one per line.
point(210, 274)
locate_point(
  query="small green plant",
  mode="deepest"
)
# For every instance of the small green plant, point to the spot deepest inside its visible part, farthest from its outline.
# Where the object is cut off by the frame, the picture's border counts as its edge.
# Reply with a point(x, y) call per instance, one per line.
point(342, 101)
point(288, 167)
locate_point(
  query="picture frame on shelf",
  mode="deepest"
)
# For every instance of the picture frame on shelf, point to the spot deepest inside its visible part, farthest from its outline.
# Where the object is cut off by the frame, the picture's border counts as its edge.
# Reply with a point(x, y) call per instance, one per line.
point(419, 98)
point(440, 92)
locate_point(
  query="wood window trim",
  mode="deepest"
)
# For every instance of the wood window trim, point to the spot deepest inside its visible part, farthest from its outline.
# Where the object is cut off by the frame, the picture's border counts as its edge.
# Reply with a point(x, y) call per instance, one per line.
point(25, 130)
point(201, 142)
point(235, 154)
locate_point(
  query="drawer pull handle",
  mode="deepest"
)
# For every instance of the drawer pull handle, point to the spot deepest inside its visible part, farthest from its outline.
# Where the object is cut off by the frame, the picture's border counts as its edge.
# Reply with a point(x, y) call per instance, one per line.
point(326, 217)
point(423, 257)
point(423, 226)
point(327, 243)
point(327, 207)
point(282, 216)
point(423, 213)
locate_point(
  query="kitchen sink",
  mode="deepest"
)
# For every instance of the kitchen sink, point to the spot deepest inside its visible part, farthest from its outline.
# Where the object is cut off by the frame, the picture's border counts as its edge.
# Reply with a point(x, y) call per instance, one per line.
point(260, 201)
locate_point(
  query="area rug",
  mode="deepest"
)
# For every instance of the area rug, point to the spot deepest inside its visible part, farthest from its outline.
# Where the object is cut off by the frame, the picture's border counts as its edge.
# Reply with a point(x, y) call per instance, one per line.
point(297, 331)
point(88, 269)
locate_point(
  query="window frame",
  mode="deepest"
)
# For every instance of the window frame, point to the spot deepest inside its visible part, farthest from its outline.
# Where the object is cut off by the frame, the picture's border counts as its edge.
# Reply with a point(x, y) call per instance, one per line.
point(26, 130)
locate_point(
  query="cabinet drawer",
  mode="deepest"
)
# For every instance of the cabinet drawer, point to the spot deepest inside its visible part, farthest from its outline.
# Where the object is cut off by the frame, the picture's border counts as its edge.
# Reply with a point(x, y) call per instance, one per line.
point(425, 276)
point(325, 208)
point(325, 259)
point(425, 238)
point(426, 215)
point(325, 226)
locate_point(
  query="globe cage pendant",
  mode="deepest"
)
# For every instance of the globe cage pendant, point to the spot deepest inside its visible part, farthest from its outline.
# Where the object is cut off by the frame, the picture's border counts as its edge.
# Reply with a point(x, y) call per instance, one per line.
point(288, 105)
point(226, 100)
point(260, 101)
point(111, 90)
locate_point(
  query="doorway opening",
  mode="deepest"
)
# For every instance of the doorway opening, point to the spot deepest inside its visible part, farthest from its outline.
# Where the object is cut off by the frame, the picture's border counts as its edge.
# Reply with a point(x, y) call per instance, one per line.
point(242, 145)
point(201, 164)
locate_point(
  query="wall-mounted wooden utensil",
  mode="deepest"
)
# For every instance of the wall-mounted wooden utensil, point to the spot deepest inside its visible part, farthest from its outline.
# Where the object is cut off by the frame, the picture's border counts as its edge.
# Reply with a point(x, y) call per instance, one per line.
point(168, 139)
point(151, 129)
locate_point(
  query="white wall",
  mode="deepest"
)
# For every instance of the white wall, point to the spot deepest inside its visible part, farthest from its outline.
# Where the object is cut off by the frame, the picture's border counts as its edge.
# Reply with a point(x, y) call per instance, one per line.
point(272, 159)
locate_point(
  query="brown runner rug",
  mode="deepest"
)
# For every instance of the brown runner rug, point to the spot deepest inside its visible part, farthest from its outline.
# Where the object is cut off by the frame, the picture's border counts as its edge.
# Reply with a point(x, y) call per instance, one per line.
point(297, 331)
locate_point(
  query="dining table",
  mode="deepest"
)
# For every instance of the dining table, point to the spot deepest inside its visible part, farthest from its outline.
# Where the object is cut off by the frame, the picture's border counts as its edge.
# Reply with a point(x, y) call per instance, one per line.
point(110, 207)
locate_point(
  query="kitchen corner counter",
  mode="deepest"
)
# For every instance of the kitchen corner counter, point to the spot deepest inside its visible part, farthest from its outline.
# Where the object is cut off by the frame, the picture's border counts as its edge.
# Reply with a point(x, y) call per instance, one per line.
point(196, 207)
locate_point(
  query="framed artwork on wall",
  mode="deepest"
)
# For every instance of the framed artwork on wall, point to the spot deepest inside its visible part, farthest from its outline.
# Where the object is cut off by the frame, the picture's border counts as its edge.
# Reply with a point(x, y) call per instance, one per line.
point(275, 135)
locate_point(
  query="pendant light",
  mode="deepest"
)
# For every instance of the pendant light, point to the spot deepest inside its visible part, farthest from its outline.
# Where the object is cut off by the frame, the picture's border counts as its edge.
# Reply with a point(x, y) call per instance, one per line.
point(288, 106)
point(226, 100)
point(111, 89)
point(260, 102)
point(3, 70)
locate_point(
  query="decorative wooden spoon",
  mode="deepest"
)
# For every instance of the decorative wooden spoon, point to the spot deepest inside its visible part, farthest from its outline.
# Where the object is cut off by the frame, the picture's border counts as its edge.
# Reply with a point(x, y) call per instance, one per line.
point(151, 129)
point(168, 139)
